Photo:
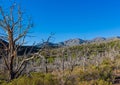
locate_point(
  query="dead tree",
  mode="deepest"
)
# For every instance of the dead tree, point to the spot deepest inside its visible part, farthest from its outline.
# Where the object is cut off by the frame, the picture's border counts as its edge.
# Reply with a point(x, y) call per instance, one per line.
point(13, 29)
point(46, 48)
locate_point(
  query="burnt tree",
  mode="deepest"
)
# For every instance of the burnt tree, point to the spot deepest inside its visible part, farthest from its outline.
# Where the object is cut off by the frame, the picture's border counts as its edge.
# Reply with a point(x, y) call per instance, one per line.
point(13, 29)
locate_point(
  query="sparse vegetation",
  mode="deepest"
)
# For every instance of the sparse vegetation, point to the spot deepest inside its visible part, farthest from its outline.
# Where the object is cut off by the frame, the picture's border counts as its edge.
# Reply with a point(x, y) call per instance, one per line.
point(90, 63)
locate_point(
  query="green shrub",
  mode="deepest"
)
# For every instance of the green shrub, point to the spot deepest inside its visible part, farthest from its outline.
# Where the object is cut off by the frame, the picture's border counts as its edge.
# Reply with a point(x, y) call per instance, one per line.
point(34, 79)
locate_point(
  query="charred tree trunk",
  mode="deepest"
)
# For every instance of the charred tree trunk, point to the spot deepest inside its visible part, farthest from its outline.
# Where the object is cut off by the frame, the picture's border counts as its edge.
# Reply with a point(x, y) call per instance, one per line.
point(11, 55)
point(11, 75)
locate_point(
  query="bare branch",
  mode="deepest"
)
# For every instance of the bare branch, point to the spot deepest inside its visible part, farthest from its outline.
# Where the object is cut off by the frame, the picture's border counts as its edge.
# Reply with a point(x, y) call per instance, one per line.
point(22, 62)
point(5, 59)
point(4, 45)
point(23, 34)
point(4, 18)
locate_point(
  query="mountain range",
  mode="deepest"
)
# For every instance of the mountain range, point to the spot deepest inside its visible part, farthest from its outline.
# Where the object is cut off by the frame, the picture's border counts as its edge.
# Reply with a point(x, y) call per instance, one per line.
point(74, 42)
point(78, 41)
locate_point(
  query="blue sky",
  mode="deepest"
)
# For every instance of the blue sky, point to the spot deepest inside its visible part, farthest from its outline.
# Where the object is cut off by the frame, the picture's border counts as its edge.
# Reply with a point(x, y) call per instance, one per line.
point(68, 19)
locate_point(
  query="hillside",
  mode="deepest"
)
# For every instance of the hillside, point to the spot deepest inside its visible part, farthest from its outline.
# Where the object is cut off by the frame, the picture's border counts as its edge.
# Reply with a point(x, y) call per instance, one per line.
point(93, 63)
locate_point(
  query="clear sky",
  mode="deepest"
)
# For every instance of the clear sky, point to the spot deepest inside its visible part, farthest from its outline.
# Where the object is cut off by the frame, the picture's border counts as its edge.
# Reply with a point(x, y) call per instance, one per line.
point(68, 19)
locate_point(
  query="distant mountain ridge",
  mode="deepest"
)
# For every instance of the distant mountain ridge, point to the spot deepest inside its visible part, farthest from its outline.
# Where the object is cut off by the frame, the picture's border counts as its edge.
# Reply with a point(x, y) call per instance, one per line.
point(78, 41)
point(98, 39)
point(74, 42)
